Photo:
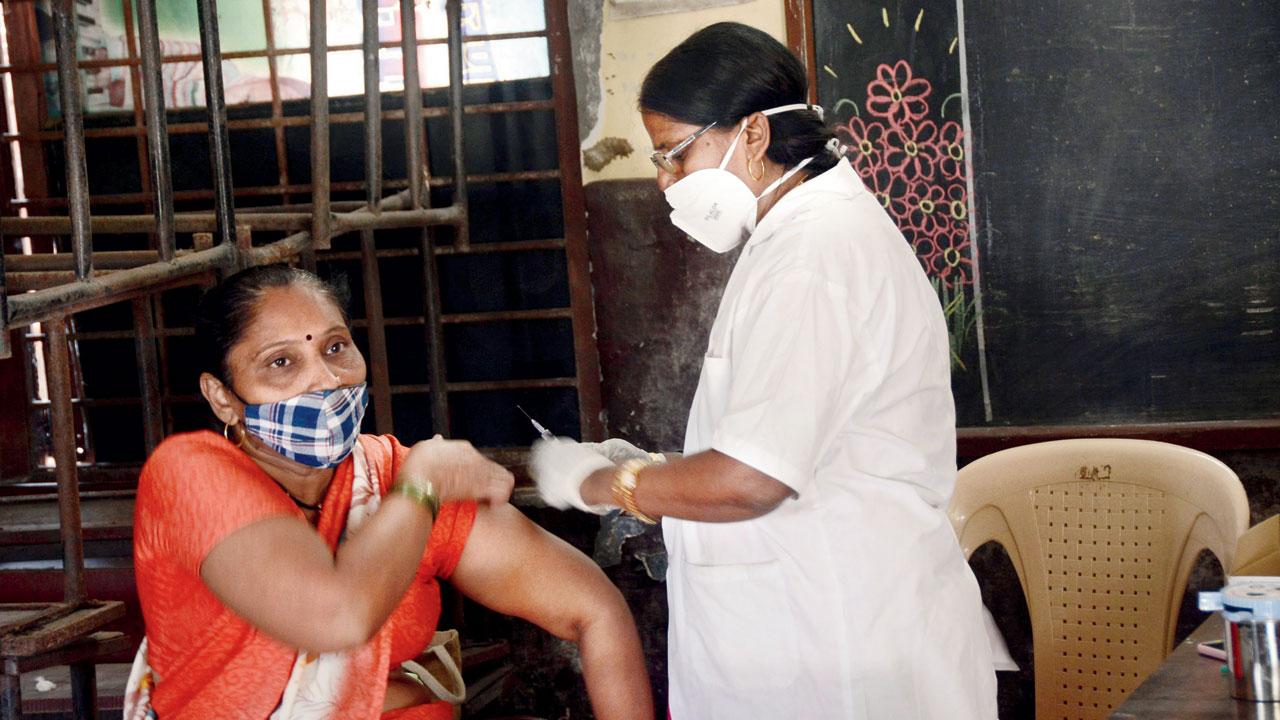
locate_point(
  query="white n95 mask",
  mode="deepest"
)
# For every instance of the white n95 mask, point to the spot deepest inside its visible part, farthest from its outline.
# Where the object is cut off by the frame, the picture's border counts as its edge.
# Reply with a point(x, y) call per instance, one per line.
point(714, 207)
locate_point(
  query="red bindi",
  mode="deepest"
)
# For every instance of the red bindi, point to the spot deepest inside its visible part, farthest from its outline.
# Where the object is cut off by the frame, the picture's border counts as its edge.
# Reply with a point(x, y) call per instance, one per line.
point(308, 338)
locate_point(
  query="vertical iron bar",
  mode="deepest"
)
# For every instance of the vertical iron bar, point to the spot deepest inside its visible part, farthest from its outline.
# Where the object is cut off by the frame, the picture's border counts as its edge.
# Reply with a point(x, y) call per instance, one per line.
point(586, 355)
point(133, 55)
point(148, 368)
point(372, 107)
point(416, 168)
point(320, 219)
point(64, 452)
point(10, 694)
point(157, 126)
point(453, 11)
point(414, 165)
point(384, 422)
point(215, 103)
point(6, 348)
point(277, 109)
point(66, 44)
point(84, 691)
point(435, 336)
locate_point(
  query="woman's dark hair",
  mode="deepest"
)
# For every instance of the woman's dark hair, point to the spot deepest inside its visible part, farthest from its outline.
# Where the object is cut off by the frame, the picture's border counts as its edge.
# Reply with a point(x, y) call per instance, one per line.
point(725, 72)
point(226, 309)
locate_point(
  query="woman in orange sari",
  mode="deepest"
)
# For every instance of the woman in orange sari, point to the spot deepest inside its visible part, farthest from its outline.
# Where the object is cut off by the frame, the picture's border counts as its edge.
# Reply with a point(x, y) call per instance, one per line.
point(288, 567)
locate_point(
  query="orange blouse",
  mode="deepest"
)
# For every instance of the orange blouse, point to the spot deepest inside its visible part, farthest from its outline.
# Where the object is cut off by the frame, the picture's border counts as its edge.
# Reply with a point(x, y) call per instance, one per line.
point(195, 490)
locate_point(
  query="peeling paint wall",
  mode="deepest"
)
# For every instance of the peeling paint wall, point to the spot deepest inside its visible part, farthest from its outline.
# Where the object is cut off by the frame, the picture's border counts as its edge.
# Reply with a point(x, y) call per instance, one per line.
point(610, 57)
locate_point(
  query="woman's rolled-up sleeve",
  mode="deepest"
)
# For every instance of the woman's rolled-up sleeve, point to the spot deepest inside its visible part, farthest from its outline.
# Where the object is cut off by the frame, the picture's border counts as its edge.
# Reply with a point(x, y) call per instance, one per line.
point(791, 355)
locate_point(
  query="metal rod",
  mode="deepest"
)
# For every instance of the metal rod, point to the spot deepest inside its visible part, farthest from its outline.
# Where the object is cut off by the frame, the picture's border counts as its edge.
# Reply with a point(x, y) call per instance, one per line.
point(275, 190)
point(66, 45)
point(377, 338)
point(320, 213)
point(585, 354)
point(277, 108)
point(62, 419)
point(52, 303)
point(530, 384)
point(148, 368)
point(215, 103)
point(413, 158)
point(84, 689)
point(135, 89)
point(436, 373)
point(250, 54)
point(6, 347)
point(372, 106)
point(285, 121)
point(26, 265)
point(207, 222)
point(157, 132)
point(453, 12)
point(11, 695)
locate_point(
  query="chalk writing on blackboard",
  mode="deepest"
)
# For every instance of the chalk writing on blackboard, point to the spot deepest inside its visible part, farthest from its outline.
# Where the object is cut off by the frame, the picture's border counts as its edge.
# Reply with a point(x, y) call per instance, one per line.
point(893, 83)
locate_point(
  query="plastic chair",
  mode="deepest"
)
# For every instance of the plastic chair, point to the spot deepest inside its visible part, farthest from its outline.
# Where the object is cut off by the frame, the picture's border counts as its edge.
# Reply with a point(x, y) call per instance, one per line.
point(1103, 534)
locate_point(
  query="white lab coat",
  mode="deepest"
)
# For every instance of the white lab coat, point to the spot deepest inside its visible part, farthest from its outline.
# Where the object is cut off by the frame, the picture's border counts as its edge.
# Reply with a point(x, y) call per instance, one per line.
point(828, 369)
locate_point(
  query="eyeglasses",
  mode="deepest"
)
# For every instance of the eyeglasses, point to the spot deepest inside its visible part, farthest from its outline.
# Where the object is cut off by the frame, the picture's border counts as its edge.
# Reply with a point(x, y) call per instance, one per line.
point(666, 161)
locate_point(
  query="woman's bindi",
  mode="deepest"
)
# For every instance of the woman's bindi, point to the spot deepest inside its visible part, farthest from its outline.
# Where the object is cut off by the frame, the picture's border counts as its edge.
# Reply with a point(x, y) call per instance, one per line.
point(308, 338)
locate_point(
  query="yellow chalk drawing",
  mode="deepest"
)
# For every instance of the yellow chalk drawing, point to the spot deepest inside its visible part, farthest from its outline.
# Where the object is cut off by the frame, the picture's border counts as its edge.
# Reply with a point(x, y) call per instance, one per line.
point(884, 15)
point(830, 72)
point(954, 41)
point(854, 33)
point(919, 18)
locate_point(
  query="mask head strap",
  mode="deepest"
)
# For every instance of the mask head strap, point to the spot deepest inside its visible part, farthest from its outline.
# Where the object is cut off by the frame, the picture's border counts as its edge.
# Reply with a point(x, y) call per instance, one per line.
point(772, 111)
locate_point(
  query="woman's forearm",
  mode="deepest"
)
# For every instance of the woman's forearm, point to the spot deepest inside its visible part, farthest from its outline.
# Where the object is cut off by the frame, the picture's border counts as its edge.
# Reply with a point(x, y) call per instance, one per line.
point(614, 668)
point(708, 486)
point(375, 565)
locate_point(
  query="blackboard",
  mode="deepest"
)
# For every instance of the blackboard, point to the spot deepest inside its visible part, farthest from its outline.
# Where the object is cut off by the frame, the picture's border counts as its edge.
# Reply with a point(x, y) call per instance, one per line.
point(1124, 194)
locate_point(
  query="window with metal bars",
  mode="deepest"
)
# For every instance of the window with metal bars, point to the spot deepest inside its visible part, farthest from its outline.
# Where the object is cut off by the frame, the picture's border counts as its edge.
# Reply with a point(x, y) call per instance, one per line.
point(498, 313)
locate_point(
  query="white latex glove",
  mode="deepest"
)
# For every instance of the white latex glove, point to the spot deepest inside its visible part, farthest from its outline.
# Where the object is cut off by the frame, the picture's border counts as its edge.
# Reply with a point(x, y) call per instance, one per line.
point(559, 467)
point(620, 451)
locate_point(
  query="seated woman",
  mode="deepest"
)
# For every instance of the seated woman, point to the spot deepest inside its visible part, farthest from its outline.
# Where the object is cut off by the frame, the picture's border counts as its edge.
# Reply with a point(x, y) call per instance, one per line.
point(287, 567)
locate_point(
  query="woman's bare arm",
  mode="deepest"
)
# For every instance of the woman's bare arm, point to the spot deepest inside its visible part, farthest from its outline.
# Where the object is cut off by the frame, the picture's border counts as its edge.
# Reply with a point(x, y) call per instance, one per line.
point(280, 576)
point(515, 567)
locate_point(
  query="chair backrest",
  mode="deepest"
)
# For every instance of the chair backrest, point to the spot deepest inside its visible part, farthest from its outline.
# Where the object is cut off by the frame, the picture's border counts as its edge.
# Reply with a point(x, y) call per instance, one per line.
point(1103, 534)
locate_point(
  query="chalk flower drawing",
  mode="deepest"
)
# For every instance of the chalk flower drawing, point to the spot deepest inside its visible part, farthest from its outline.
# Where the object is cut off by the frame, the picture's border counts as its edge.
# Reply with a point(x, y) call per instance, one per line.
point(916, 170)
point(896, 95)
point(951, 151)
point(911, 149)
point(866, 144)
point(926, 207)
point(951, 261)
point(889, 188)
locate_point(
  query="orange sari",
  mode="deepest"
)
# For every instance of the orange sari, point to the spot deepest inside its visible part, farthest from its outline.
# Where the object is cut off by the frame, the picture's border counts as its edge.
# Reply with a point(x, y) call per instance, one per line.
point(196, 489)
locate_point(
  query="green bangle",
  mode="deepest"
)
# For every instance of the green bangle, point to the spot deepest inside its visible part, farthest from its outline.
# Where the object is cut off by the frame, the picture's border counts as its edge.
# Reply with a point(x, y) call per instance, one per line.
point(421, 491)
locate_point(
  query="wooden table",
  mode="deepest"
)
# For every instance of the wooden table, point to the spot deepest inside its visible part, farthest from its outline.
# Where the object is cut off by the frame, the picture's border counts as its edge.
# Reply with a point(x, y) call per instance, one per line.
point(1191, 686)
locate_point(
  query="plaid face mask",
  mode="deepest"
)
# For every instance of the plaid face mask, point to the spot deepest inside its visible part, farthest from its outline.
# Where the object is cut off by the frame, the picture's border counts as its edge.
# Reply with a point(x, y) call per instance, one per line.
point(317, 429)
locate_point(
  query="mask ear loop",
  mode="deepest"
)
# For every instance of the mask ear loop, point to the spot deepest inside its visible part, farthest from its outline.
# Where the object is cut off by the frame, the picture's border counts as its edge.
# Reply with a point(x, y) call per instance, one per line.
point(785, 176)
point(733, 145)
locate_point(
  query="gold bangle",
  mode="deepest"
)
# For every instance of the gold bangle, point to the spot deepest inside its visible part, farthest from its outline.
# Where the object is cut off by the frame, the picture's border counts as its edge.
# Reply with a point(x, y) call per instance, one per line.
point(624, 488)
point(421, 491)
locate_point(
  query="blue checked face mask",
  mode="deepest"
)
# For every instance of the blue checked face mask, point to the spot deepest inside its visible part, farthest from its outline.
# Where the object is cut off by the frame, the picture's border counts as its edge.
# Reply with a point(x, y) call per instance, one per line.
point(317, 429)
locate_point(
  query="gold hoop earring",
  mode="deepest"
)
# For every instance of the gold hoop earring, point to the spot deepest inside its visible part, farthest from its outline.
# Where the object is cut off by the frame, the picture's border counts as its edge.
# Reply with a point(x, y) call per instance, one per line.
point(239, 433)
point(754, 176)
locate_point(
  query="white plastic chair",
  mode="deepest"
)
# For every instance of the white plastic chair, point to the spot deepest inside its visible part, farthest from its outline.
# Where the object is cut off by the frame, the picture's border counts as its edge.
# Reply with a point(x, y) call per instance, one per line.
point(1103, 534)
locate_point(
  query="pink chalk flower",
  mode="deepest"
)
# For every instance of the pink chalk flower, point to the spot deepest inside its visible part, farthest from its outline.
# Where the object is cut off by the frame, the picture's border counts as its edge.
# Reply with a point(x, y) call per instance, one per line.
point(896, 95)
point(911, 150)
point(951, 262)
point(865, 142)
point(951, 150)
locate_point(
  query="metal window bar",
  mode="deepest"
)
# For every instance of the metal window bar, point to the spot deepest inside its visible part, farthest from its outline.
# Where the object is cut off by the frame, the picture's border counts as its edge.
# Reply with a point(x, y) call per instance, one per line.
point(55, 305)
point(140, 274)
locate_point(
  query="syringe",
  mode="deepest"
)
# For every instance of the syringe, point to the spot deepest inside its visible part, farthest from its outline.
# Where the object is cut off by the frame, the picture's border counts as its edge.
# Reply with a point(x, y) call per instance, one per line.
point(545, 433)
